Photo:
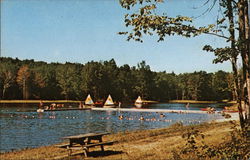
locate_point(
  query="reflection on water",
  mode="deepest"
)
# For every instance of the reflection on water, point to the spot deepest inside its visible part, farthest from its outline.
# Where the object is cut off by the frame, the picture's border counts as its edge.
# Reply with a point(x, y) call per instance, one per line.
point(20, 128)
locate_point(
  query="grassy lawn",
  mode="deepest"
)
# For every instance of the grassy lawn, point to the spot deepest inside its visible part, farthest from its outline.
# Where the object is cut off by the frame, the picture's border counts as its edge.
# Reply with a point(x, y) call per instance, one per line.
point(196, 102)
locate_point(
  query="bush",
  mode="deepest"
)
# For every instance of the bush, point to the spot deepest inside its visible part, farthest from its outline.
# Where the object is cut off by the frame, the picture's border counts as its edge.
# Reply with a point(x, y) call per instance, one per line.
point(238, 147)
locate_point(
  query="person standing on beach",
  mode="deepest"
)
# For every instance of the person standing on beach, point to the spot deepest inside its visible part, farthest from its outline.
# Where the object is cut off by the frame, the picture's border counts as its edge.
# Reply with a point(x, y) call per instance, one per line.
point(187, 106)
point(80, 104)
point(40, 104)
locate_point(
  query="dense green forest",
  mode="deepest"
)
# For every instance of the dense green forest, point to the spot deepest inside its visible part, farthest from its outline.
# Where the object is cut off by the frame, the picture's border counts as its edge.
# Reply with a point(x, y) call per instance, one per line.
point(28, 79)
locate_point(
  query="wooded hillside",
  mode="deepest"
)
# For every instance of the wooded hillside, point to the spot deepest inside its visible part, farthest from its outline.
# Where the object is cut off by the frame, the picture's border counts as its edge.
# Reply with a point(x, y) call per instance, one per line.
point(27, 79)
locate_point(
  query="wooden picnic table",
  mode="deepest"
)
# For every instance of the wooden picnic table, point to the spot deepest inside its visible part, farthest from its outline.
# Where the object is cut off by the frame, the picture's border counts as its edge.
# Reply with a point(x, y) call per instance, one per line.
point(85, 141)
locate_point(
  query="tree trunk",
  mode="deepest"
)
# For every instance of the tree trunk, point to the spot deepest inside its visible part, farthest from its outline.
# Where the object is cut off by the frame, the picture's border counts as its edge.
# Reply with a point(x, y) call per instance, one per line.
point(183, 94)
point(177, 94)
point(244, 50)
point(247, 59)
point(24, 89)
point(4, 90)
point(238, 92)
point(234, 55)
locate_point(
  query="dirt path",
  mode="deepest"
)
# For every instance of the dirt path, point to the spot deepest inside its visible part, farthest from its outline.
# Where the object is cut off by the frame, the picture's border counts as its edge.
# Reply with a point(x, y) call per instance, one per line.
point(162, 145)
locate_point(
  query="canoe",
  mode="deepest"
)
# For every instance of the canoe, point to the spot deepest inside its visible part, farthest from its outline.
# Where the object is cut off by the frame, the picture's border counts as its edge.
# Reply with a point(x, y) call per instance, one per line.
point(204, 109)
point(208, 109)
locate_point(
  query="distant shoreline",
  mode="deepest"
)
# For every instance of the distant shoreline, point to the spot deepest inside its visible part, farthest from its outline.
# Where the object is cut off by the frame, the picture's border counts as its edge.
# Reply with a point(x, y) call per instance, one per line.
point(200, 102)
point(38, 101)
point(77, 101)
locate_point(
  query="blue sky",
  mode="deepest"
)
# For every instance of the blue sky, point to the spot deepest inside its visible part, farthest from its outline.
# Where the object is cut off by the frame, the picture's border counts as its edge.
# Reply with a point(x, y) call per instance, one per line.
point(85, 30)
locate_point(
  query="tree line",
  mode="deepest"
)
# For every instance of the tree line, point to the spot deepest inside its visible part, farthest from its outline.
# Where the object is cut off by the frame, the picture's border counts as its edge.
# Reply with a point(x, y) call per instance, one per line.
point(28, 79)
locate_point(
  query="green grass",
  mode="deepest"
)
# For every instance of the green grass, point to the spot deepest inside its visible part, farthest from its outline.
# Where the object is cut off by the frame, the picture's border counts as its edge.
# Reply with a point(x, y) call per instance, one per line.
point(197, 102)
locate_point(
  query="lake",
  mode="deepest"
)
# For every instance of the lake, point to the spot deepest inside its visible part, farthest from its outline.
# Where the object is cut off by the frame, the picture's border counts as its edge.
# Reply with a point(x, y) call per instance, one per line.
point(20, 128)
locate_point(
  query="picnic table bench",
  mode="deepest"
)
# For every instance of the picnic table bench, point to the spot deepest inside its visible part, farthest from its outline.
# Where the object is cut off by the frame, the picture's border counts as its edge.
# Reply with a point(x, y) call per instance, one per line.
point(84, 142)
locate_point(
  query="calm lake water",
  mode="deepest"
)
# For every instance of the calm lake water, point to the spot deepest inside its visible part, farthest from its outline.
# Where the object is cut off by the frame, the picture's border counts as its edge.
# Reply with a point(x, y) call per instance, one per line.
point(20, 128)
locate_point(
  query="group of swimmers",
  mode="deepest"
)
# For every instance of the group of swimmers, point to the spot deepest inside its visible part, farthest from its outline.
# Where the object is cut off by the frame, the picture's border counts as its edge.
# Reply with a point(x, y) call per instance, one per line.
point(121, 117)
point(52, 106)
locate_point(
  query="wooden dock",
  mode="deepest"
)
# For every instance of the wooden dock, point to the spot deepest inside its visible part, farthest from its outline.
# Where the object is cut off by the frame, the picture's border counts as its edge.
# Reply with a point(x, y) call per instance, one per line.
point(151, 110)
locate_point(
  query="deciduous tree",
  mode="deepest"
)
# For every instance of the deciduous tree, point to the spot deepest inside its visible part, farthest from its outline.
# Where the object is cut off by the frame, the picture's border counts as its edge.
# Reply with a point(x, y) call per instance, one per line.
point(146, 21)
point(7, 76)
point(23, 75)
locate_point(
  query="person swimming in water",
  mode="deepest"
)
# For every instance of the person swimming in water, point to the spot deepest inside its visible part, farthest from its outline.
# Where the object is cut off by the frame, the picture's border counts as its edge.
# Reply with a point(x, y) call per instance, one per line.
point(141, 118)
point(162, 115)
point(120, 117)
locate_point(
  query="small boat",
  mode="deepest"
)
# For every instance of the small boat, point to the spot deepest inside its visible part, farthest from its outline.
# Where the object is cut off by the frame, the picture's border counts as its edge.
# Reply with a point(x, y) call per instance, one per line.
point(138, 102)
point(109, 103)
point(99, 103)
point(204, 109)
point(209, 109)
point(89, 102)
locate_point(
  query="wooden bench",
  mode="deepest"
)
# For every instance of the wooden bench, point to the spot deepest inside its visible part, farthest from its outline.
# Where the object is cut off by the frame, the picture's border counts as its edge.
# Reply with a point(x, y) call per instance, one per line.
point(65, 145)
point(85, 147)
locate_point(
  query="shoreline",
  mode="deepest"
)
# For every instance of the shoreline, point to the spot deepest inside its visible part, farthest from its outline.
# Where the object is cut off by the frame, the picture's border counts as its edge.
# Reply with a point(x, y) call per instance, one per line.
point(78, 101)
point(37, 101)
point(234, 117)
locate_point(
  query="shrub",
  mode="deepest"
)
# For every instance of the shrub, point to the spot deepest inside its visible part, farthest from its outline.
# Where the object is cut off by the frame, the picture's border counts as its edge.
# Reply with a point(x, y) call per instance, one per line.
point(238, 147)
